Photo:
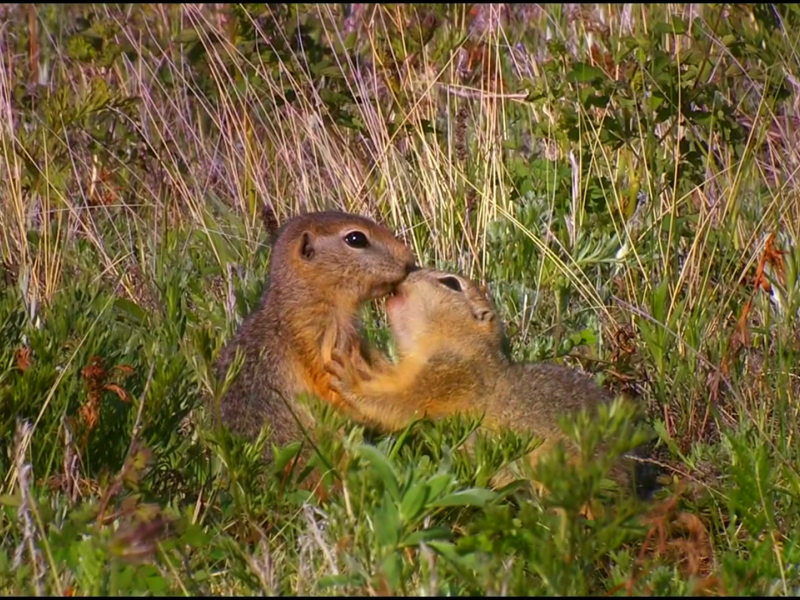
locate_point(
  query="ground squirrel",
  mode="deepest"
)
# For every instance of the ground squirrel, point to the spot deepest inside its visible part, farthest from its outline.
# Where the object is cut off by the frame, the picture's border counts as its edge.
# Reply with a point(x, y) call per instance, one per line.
point(323, 266)
point(452, 359)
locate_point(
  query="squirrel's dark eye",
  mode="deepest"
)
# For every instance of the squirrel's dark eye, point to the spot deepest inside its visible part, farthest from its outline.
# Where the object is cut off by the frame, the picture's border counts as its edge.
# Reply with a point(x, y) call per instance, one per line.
point(356, 239)
point(451, 282)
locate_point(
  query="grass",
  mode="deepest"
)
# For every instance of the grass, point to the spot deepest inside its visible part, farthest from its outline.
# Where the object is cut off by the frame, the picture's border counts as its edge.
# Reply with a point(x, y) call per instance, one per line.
point(622, 177)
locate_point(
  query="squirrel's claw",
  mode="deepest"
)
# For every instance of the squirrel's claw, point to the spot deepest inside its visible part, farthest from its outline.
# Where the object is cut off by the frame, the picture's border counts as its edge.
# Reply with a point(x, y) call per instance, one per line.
point(336, 364)
point(336, 370)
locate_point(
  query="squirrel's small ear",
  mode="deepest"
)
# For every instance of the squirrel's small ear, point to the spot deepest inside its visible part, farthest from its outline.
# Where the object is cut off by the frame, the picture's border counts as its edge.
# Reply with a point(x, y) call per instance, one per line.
point(307, 245)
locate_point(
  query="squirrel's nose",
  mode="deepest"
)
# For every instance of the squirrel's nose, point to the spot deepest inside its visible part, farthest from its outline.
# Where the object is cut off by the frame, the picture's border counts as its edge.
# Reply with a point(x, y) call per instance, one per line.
point(411, 266)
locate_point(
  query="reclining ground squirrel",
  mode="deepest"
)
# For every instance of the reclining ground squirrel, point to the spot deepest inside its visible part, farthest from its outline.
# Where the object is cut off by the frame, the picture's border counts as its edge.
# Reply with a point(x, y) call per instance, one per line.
point(452, 360)
point(323, 266)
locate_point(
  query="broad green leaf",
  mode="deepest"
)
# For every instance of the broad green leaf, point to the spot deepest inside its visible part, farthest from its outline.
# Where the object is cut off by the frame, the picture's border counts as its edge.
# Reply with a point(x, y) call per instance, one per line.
point(438, 484)
point(426, 535)
point(284, 456)
point(677, 27)
point(392, 568)
point(387, 523)
point(131, 309)
point(8, 500)
point(470, 497)
point(195, 536)
point(382, 467)
point(584, 73)
point(446, 550)
point(413, 502)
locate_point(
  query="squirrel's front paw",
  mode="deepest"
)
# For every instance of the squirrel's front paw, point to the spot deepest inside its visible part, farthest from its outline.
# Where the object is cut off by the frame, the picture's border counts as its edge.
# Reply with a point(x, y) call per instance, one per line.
point(337, 371)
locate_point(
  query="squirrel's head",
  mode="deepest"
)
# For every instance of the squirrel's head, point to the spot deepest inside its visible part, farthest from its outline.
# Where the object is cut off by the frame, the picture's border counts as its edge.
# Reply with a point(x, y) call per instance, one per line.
point(433, 307)
point(348, 255)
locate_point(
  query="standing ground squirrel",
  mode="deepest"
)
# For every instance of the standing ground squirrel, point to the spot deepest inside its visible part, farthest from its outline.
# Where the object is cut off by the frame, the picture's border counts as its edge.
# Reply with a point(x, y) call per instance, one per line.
point(323, 266)
point(452, 360)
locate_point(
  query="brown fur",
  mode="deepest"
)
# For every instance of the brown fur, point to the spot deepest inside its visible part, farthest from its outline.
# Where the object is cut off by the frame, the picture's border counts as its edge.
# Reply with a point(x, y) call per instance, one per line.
point(316, 284)
point(452, 360)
